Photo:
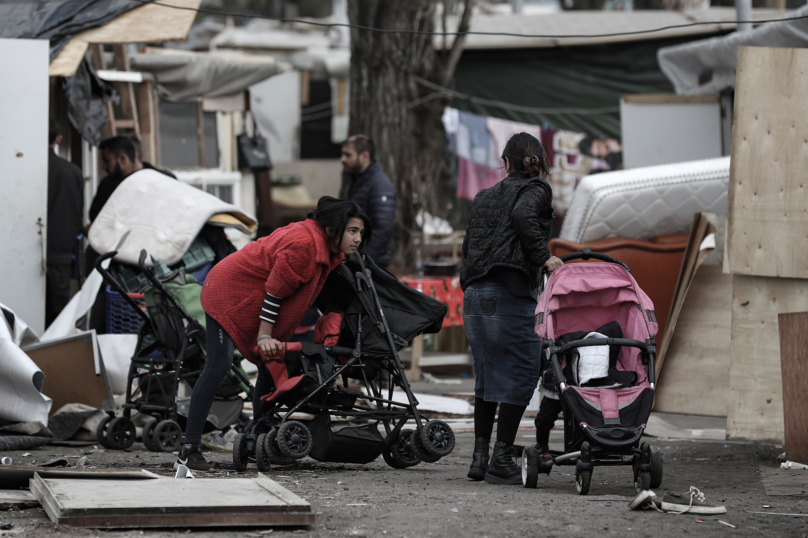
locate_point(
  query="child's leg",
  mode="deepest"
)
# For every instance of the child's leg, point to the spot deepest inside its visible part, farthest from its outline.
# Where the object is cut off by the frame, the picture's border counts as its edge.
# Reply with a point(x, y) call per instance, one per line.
point(545, 420)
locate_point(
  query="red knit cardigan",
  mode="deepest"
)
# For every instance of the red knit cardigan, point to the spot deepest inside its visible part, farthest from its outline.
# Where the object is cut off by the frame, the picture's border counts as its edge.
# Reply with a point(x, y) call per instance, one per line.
point(293, 263)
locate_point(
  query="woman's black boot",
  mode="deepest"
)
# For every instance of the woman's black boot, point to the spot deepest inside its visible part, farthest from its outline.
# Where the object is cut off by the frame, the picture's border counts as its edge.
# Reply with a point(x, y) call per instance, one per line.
point(479, 460)
point(502, 469)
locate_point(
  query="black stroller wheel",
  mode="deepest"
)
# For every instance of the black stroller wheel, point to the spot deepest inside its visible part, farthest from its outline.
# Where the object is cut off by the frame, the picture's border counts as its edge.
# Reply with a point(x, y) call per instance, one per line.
point(275, 455)
point(583, 479)
point(419, 449)
point(530, 467)
point(642, 482)
point(121, 433)
point(294, 439)
point(101, 431)
point(656, 467)
point(240, 453)
point(400, 455)
point(167, 436)
point(147, 437)
point(262, 457)
point(438, 438)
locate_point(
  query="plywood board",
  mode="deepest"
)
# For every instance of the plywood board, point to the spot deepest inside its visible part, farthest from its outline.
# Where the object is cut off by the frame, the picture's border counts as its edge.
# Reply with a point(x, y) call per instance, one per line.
point(73, 371)
point(170, 503)
point(755, 410)
point(784, 482)
point(768, 193)
point(695, 380)
point(149, 23)
point(794, 362)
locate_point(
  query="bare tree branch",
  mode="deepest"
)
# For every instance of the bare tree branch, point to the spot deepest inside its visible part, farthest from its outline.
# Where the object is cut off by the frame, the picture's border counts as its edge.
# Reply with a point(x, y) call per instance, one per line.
point(458, 44)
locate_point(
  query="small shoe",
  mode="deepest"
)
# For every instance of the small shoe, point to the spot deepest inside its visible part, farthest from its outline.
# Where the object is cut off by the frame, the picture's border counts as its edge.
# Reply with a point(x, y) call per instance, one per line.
point(646, 500)
point(191, 456)
point(692, 502)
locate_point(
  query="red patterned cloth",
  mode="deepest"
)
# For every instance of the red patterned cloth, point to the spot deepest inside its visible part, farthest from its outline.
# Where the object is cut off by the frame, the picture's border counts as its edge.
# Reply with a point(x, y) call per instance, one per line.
point(293, 263)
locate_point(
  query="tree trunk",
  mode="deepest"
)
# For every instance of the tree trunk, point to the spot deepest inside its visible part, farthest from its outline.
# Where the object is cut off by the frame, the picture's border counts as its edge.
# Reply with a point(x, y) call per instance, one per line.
point(401, 116)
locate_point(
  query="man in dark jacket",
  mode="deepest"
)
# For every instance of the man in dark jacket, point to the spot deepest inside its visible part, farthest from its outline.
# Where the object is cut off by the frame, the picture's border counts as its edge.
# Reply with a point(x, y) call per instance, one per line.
point(65, 212)
point(373, 192)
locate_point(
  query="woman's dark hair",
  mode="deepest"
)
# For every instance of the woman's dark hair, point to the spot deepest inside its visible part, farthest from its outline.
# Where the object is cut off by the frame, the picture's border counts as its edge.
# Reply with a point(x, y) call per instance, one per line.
point(526, 156)
point(333, 215)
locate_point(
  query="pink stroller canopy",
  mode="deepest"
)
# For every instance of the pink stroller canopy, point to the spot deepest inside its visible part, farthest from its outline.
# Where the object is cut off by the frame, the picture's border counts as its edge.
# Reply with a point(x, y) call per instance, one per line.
point(585, 296)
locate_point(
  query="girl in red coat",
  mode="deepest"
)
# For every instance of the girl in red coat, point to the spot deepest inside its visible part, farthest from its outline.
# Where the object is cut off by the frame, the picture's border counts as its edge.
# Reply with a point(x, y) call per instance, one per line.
point(258, 295)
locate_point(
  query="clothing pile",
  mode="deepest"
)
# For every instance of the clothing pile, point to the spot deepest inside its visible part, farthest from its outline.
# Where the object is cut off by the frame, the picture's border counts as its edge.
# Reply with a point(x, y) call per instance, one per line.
point(478, 141)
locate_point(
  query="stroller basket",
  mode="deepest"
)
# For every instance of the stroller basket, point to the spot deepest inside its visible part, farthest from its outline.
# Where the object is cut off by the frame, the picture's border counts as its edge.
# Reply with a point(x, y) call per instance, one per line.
point(350, 444)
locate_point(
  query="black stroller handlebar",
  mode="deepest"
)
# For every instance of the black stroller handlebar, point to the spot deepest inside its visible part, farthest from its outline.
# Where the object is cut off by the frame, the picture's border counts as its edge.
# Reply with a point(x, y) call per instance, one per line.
point(109, 279)
point(587, 254)
point(590, 342)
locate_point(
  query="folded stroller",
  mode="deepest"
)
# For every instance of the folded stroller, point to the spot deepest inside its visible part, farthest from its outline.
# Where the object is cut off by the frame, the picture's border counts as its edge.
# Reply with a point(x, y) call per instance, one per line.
point(170, 351)
point(368, 317)
point(604, 418)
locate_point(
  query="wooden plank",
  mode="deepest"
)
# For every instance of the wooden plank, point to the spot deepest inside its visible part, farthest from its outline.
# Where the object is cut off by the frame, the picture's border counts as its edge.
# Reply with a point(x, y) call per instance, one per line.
point(20, 498)
point(755, 410)
point(148, 121)
point(127, 91)
point(693, 258)
point(768, 196)
point(169, 503)
point(19, 476)
point(696, 376)
point(794, 363)
point(70, 373)
point(414, 373)
point(668, 98)
point(149, 23)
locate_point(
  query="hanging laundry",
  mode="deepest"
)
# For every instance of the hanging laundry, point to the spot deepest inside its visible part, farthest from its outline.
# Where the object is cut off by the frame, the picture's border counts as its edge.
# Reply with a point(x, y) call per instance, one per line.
point(473, 177)
point(501, 130)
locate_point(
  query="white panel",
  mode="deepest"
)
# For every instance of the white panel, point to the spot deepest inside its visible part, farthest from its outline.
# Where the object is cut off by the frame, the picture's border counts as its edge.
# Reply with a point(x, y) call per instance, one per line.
point(275, 103)
point(664, 133)
point(24, 176)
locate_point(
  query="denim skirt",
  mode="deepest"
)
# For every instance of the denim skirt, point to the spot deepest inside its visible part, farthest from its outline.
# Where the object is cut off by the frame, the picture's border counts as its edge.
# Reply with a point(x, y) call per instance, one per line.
point(504, 345)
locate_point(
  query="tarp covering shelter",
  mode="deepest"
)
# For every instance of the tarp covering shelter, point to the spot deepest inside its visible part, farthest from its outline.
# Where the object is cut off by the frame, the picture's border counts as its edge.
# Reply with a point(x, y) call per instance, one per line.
point(708, 66)
point(187, 76)
point(57, 20)
point(575, 83)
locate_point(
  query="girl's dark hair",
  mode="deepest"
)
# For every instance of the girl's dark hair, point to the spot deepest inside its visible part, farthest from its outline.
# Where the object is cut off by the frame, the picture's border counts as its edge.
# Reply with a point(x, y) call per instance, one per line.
point(335, 214)
point(526, 155)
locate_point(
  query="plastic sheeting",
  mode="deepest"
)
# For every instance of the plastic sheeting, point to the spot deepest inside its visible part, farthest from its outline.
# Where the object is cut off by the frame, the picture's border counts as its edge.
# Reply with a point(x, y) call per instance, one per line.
point(708, 66)
point(85, 102)
point(57, 20)
point(21, 399)
point(582, 77)
point(190, 77)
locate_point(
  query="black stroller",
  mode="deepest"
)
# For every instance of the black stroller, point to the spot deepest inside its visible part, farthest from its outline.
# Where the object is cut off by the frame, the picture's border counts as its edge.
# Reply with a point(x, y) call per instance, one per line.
point(170, 351)
point(368, 317)
point(604, 414)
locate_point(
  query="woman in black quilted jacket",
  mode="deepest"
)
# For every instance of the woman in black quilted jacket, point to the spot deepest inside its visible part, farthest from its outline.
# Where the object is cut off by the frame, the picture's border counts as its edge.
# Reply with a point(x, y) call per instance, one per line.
point(505, 248)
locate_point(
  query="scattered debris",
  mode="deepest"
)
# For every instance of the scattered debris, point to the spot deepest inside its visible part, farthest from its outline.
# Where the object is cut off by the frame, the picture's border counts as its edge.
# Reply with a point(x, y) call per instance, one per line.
point(183, 472)
point(730, 525)
point(776, 513)
point(793, 465)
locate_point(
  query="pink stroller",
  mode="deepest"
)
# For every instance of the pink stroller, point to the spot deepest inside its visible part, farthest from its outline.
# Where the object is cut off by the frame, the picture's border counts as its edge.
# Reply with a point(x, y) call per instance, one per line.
point(603, 418)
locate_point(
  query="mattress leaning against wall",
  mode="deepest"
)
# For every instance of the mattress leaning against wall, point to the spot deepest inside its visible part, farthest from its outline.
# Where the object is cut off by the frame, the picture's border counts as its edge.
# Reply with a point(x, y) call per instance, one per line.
point(644, 202)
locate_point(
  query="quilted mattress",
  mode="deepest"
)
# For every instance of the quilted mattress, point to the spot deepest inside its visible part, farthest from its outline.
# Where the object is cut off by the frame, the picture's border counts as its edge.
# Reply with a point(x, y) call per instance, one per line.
point(645, 202)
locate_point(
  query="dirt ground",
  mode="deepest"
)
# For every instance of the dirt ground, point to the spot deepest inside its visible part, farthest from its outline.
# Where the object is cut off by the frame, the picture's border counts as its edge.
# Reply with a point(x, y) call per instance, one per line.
point(438, 500)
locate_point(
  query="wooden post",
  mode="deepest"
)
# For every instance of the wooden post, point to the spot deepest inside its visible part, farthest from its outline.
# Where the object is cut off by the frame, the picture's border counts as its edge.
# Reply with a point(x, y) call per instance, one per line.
point(263, 192)
point(415, 363)
point(99, 62)
point(794, 362)
point(148, 122)
point(305, 86)
point(127, 91)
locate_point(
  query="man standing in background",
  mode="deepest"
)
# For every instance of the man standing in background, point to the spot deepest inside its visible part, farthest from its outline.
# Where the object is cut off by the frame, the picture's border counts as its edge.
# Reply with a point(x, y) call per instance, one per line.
point(373, 192)
point(65, 213)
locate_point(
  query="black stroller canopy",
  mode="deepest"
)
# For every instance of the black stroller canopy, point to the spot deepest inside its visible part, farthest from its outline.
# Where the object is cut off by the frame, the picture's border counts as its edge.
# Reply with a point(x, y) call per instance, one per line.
point(408, 311)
